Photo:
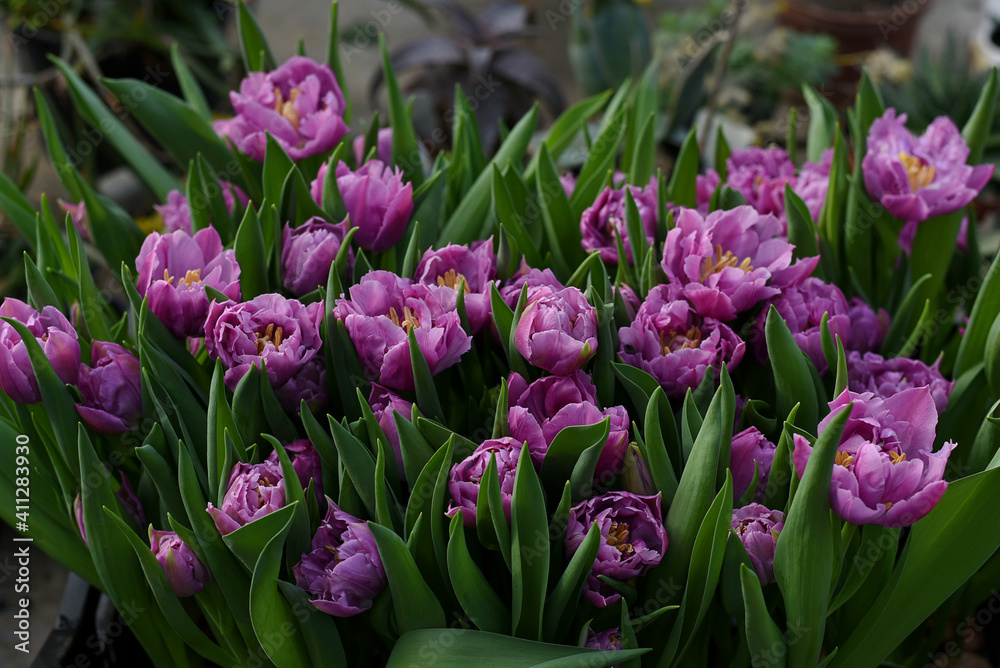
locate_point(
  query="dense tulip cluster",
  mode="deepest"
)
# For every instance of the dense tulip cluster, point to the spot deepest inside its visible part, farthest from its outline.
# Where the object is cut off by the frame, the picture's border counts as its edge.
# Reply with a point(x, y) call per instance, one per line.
point(598, 411)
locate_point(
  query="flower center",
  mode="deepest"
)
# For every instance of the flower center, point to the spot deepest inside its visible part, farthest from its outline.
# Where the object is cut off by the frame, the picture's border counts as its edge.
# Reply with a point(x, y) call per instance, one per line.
point(336, 556)
point(896, 457)
point(451, 279)
point(673, 340)
point(844, 459)
point(618, 537)
point(263, 482)
point(271, 335)
point(287, 107)
point(191, 277)
point(918, 172)
point(409, 318)
point(718, 262)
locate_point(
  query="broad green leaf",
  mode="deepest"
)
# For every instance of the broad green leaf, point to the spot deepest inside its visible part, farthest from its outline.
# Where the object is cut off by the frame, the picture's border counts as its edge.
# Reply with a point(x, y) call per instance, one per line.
point(529, 551)
point(682, 189)
point(175, 125)
point(931, 568)
point(792, 379)
point(414, 603)
point(477, 598)
point(466, 222)
point(257, 55)
point(763, 636)
point(461, 648)
point(560, 606)
point(803, 557)
point(405, 149)
point(269, 609)
point(90, 106)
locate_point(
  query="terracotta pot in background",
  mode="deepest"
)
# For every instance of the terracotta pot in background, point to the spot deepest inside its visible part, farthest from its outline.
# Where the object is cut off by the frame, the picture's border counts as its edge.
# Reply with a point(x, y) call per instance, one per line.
point(858, 33)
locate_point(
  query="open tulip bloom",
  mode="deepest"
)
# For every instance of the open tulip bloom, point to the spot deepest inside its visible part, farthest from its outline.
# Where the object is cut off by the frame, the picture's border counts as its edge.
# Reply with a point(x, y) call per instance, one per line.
point(361, 405)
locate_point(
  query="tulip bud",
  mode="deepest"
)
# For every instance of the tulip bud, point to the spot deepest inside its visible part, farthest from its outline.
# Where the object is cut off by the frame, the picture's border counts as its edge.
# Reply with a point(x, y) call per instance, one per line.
point(344, 570)
point(57, 338)
point(558, 332)
point(254, 490)
point(111, 389)
point(758, 529)
point(185, 572)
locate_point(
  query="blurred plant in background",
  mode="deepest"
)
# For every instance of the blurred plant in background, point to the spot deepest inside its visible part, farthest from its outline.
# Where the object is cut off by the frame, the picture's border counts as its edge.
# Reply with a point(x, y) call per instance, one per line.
point(483, 57)
point(610, 42)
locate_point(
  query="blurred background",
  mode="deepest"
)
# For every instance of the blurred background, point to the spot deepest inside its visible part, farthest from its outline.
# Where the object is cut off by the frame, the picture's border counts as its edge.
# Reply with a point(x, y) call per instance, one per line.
point(738, 65)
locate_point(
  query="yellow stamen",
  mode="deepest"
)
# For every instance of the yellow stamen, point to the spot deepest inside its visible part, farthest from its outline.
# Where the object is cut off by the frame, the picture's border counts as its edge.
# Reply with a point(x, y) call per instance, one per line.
point(617, 537)
point(409, 320)
point(167, 277)
point(451, 279)
point(191, 277)
point(720, 261)
point(844, 459)
point(895, 458)
point(673, 340)
point(271, 335)
point(263, 482)
point(918, 172)
point(336, 556)
point(287, 108)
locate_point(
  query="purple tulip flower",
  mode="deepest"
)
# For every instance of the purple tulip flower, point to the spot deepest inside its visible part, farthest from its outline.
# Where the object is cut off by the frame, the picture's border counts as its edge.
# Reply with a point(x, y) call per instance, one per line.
point(307, 251)
point(540, 282)
point(307, 464)
point(467, 475)
point(705, 186)
point(729, 261)
point(176, 213)
point(919, 178)
point(868, 327)
point(633, 540)
point(185, 572)
point(475, 264)
point(629, 298)
point(758, 529)
point(751, 452)
point(283, 334)
point(300, 104)
point(539, 411)
point(606, 215)
point(78, 215)
point(558, 332)
point(885, 471)
point(174, 269)
point(886, 377)
point(377, 202)
point(760, 175)
point(110, 389)
point(56, 336)
point(802, 307)
point(675, 345)
point(383, 150)
point(254, 490)
point(126, 496)
point(383, 402)
point(344, 570)
point(568, 182)
point(812, 183)
point(383, 308)
point(605, 640)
